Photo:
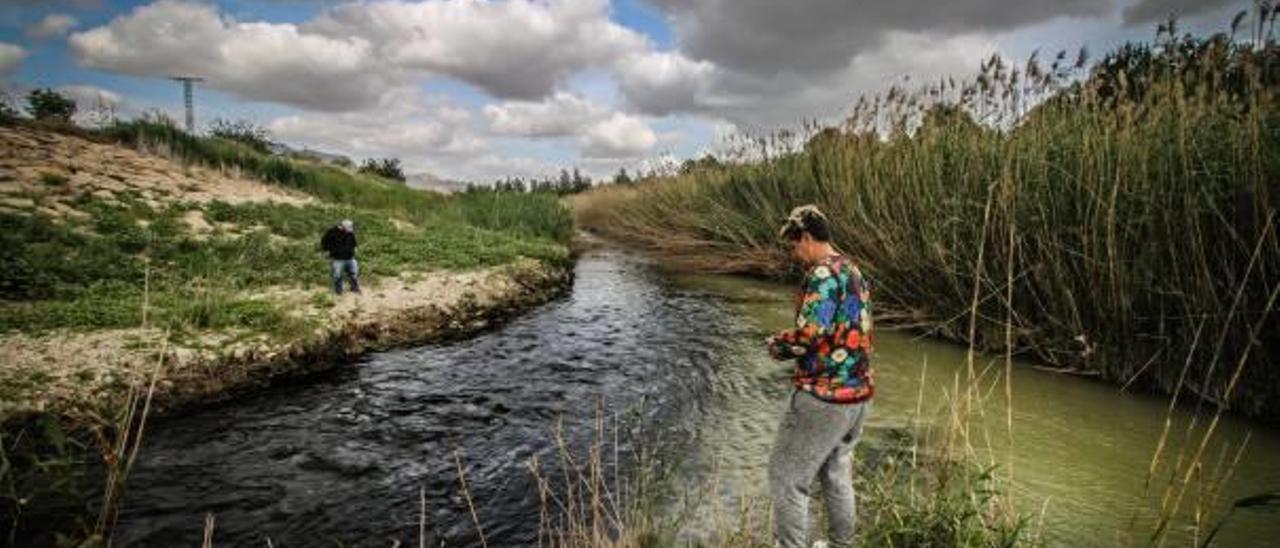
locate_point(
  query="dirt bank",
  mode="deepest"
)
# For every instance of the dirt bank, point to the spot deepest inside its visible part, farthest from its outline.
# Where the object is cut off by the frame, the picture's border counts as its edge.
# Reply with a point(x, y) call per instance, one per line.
point(51, 173)
point(82, 374)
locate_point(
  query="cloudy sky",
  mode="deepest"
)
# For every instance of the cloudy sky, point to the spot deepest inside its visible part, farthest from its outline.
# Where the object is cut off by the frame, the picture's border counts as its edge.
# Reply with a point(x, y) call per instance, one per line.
point(476, 89)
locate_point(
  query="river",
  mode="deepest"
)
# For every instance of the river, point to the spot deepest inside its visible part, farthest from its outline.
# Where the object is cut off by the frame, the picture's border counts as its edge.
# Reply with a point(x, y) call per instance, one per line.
point(668, 364)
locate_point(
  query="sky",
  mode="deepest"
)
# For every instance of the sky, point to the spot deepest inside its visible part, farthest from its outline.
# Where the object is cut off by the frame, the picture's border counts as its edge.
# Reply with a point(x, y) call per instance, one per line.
point(481, 89)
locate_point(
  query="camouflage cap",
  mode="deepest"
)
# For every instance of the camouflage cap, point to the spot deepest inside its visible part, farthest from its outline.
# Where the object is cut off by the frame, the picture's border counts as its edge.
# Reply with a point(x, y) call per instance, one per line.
point(805, 218)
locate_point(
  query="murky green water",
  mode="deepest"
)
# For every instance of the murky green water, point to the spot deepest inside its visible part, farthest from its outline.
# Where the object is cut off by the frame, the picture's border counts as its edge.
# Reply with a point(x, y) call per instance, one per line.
point(1081, 448)
point(362, 454)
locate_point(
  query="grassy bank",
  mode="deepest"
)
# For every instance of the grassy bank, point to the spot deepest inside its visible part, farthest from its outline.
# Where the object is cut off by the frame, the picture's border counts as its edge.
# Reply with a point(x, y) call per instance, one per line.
point(536, 215)
point(200, 247)
point(91, 270)
point(1122, 216)
point(92, 273)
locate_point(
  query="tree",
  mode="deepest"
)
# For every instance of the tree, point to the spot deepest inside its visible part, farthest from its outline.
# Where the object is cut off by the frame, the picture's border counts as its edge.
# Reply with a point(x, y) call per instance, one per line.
point(51, 106)
point(243, 131)
point(707, 162)
point(580, 183)
point(387, 168)
point(622, 178)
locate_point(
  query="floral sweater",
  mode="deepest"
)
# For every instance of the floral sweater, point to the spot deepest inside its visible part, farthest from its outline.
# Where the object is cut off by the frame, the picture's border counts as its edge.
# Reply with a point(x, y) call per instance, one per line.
point(831, 342)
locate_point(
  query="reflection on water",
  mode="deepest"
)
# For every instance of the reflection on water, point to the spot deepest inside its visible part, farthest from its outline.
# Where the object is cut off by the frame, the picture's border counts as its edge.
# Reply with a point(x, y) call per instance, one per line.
point(1081, 447)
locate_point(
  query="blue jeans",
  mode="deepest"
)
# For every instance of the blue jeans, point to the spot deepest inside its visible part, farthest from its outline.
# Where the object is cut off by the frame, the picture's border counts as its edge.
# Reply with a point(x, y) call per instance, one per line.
point(350, 268)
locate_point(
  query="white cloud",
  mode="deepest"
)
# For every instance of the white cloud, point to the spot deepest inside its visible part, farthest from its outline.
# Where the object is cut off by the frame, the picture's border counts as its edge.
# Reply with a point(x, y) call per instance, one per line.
point(619, 136)
point(253, 60)
point(763, 64)
point(559, 115)
point(520, 49)
point(419, 129)
point(54, 25)
point(348, 56)
point(492, 166)
point(663, 82)
point(11, 55)
point(765, 102)
point(767, 37)
point(87, 96)
point(601, 132)
point(754, 65)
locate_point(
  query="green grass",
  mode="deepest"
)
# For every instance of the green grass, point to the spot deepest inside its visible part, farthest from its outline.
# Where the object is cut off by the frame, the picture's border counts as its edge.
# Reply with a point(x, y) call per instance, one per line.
point(540, 216)
point(91, 274)
point(1134, 206)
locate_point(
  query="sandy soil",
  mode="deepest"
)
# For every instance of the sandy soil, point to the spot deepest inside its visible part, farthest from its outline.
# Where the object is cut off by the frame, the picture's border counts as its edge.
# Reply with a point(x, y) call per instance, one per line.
point(80, 373)
point(47, 171)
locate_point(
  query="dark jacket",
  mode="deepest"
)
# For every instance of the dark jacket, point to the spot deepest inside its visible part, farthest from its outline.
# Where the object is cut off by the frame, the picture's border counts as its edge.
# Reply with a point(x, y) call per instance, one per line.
point(340, 244)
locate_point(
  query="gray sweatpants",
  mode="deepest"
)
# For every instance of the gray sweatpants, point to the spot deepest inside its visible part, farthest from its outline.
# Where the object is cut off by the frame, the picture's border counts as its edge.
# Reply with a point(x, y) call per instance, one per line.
point(814, 439)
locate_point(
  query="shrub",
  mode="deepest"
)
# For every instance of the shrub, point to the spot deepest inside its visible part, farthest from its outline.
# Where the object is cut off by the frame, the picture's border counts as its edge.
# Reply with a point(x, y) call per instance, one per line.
point(49, 105)
point(243, 131)
point(387, 168)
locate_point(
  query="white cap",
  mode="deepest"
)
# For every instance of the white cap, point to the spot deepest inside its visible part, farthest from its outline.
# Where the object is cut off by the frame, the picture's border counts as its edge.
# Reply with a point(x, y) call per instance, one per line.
point(347, 225)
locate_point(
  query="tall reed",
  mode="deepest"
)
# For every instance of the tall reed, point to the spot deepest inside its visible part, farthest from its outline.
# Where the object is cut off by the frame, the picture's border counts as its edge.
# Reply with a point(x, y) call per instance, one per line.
point(1124, 200)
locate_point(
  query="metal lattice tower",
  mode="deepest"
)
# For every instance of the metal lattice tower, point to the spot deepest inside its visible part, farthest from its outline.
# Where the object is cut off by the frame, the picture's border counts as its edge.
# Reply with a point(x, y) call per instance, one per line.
point(188, 100)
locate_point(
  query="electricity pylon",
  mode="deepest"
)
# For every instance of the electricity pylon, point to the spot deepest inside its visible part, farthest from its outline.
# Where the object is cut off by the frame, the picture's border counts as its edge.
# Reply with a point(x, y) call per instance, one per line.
point(187, 100)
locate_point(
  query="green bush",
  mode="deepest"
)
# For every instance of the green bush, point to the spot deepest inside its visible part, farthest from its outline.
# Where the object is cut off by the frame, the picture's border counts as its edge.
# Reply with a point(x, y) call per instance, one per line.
point(47, 105)
point(387, 168)
point(244, 132)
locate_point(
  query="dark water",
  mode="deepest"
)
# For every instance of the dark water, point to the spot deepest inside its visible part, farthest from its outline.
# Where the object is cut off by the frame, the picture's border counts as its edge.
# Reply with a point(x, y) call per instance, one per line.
point(676, 362)
point(344, 456)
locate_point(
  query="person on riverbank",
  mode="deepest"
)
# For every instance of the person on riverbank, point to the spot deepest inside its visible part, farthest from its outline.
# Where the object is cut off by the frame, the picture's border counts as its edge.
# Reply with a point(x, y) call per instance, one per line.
point(832, 382)
point(340, 242)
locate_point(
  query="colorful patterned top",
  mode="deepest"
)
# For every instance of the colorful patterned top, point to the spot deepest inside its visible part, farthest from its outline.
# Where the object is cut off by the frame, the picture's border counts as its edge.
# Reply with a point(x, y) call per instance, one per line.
point(831, 343)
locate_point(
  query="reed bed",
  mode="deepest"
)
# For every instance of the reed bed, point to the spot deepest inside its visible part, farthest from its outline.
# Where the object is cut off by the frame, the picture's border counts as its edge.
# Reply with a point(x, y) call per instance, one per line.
point(1108, 210)
point(930, 483)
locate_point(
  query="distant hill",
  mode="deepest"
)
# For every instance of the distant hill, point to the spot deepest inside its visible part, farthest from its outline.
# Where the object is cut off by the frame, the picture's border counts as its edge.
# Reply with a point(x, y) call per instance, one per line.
point(429, 181)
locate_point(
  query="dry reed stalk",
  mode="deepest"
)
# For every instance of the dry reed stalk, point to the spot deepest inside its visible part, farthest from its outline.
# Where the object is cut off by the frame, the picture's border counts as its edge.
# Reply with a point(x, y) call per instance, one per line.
point(466, 493)
point(119, 455)
point(208, 530)
point(1213, 424)
point(422, 517)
